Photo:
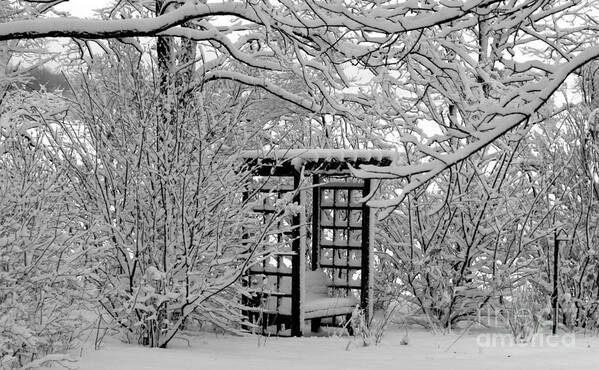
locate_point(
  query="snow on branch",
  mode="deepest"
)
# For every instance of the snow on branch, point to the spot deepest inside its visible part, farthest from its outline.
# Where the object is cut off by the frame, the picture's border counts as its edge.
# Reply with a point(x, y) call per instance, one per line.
point(266, 85)
point(472, 69)
point(114, 28)
point(336, 14)
point(419, 174)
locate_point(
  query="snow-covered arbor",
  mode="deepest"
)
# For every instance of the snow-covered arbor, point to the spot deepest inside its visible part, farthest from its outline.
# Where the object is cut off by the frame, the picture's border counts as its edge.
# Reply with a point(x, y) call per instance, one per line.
point(328, 226)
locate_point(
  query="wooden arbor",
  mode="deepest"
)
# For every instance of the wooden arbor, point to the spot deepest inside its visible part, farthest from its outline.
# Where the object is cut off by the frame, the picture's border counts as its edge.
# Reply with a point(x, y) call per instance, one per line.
point(331, 232)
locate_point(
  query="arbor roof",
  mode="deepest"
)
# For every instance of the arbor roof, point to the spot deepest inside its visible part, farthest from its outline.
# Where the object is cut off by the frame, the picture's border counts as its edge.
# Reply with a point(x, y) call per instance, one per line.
point(286, 162)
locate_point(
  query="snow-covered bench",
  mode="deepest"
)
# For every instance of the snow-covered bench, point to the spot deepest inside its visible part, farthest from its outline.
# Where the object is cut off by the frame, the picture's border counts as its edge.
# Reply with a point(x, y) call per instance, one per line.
point(317, 304)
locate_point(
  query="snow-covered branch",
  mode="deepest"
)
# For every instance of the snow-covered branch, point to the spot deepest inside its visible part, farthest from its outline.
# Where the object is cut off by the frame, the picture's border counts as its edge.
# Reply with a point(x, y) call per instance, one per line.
point(523, 108)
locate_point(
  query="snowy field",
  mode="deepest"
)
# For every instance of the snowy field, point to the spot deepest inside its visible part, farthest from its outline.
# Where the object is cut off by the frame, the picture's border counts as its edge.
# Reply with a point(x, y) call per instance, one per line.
point(473, 350)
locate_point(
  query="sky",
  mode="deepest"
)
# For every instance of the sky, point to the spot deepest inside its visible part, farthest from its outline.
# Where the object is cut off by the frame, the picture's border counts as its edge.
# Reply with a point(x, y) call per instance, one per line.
point(82, 8)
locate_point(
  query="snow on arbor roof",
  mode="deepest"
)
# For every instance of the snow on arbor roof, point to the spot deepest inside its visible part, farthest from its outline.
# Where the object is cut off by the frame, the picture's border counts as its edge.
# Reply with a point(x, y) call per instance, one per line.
point(340, 155)
point(327, 160)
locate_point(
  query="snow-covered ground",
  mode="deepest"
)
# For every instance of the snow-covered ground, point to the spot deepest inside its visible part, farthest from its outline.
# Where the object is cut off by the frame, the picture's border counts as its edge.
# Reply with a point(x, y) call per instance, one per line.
point(473, 350)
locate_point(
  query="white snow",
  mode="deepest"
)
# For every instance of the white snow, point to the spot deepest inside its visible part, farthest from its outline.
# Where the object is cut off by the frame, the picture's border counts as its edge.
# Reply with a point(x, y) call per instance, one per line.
point(329, 306)
point(152, 273)
point(424, 351)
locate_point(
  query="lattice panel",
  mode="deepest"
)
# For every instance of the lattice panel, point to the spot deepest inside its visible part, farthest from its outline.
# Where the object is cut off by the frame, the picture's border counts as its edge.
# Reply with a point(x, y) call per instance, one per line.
point(269, 280)
point(340, 235)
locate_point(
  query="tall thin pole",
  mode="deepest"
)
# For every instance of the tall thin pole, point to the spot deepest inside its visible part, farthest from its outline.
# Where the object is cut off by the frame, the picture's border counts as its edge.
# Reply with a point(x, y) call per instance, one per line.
point(555, 281)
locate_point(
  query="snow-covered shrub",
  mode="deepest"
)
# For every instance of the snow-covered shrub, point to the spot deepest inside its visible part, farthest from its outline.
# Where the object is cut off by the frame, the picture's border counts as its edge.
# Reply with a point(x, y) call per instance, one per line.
point(370, 330)
point(460, 246)
point(162, 180)
point(42, 243)
point(523, 311)
point(455, 247)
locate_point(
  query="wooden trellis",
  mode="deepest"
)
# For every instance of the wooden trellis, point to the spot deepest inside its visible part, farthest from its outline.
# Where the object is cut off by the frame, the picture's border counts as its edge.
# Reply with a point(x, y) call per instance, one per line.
point(333, 235)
